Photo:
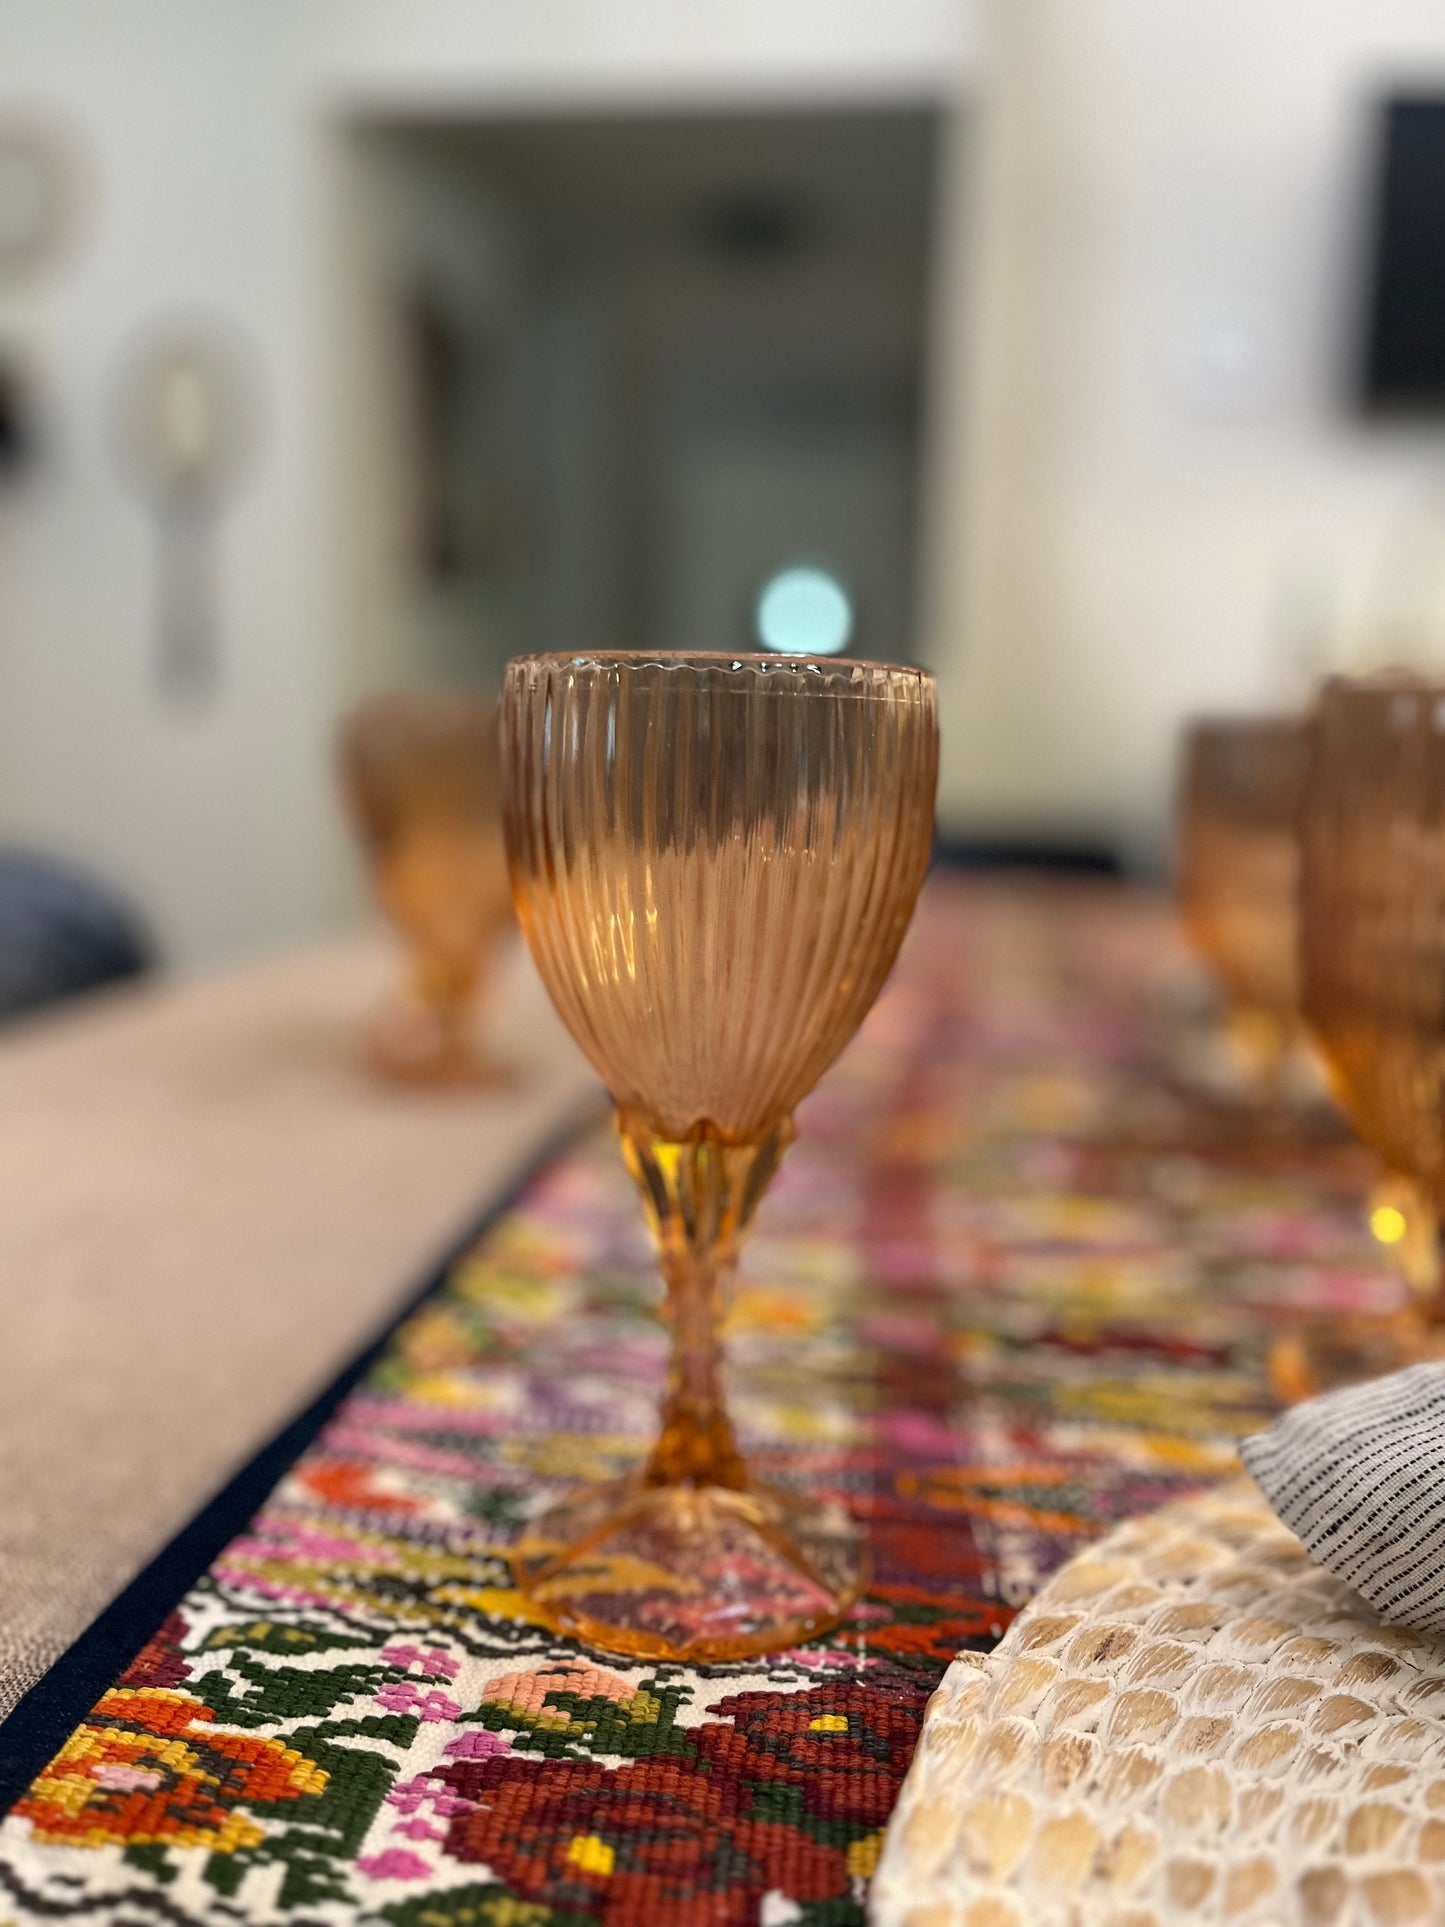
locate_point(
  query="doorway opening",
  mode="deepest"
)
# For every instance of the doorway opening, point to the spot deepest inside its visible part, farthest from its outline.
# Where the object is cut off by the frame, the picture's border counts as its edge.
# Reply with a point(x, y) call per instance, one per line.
point(632, 381)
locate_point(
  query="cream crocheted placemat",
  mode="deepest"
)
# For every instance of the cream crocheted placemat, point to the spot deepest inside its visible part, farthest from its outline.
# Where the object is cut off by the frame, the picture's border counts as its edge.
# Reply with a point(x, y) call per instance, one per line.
point(1190, 1722)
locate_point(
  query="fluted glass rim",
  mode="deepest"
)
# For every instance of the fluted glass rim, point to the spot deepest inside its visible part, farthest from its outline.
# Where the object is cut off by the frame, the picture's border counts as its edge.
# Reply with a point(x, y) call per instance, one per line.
point(854, 670)
point(1214, 724)
point(1401, 681)
point(1348, 697)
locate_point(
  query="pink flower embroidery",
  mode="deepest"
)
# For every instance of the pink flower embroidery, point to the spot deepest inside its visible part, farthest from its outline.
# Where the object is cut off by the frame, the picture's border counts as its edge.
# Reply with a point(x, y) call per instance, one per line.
point(408, 1794)
point(433, 1662)
point(421, 1791)
point(419, 1830)
point(475, 1744)
point(447, 1805)
point(126, 1779)
point(402, 1696)
point(394, 1864)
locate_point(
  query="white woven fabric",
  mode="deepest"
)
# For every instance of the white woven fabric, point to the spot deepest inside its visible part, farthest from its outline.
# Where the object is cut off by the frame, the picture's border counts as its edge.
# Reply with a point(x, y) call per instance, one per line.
point(1359, 1476)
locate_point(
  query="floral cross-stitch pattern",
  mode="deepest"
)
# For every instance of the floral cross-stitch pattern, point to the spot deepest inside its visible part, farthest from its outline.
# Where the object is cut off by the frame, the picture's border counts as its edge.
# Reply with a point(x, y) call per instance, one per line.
point(148, 1769)
point(1015, 1283)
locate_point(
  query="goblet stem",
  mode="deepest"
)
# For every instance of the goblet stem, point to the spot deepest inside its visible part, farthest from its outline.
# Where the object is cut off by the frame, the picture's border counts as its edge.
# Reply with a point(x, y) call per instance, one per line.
point(700, 1195)
point(1261, 1041)
point(446, 989)
point(444, 986)
point(690, 1558)
point(1342, 1351)
point(696, 1445)
point(1405, 1216)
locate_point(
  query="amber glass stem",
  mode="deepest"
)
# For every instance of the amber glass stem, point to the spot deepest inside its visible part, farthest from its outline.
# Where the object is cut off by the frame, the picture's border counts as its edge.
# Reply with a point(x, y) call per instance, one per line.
point(1421, 1253)
point(1416, 1242)
point(446, 992)
point(1261, 1041)
point(696, 1445)
point(700, 1194)
point(442, 985)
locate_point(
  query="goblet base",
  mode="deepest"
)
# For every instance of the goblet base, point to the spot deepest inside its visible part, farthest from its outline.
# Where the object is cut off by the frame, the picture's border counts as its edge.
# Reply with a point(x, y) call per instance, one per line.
point(691, 1572)
point(1319, 1355)
point(409, 1044)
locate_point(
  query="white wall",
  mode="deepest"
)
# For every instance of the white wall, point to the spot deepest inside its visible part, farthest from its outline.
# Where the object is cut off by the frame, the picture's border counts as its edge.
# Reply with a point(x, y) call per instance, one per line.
point(1148, 497)
point(209, 127)
point(192, 155)
point(493, 53)
point(1152, 496)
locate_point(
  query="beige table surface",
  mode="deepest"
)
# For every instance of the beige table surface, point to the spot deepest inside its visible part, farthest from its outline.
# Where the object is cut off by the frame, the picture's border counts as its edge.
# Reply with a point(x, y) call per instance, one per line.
point(206, 1207)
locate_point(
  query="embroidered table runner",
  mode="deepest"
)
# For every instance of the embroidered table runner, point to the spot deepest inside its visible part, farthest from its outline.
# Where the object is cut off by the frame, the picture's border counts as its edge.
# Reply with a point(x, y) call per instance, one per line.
point(1014, 1284)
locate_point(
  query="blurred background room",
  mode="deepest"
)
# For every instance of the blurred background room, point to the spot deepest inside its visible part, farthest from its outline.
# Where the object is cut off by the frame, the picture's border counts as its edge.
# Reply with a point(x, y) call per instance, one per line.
point(347, 347)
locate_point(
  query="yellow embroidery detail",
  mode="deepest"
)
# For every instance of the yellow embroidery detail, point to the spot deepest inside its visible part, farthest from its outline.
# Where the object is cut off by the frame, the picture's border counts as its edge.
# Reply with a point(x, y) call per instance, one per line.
point(589, 1854)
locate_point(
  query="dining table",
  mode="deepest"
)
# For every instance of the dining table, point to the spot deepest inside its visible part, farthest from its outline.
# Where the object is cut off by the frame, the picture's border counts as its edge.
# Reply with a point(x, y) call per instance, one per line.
point(1025, 1274)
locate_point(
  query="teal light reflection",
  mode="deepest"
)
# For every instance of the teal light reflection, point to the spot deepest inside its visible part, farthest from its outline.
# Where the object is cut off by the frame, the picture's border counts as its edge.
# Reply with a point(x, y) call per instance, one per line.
point(804, 611)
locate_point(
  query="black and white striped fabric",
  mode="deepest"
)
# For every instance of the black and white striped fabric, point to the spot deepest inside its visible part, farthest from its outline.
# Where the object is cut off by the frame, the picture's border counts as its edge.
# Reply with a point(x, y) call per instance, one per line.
point(1359, 1476)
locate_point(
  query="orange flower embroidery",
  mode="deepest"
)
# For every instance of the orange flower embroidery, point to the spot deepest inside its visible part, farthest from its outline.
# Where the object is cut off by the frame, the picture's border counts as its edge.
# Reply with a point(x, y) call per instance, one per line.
point(143, 1770)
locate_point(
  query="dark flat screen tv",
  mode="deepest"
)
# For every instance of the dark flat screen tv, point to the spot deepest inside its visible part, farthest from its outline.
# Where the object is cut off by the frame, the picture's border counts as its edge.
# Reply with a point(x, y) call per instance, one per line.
point(1404, 358)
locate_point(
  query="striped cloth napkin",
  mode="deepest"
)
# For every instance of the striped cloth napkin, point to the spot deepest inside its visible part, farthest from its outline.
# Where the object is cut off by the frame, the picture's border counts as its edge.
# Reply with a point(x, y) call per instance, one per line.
point(1359, 1476)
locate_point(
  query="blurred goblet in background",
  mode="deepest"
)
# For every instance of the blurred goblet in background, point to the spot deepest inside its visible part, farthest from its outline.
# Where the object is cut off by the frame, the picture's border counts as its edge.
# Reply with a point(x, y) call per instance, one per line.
point(715, 860)
point(1237, 876)
point(421, 779)
point(1372, 962)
